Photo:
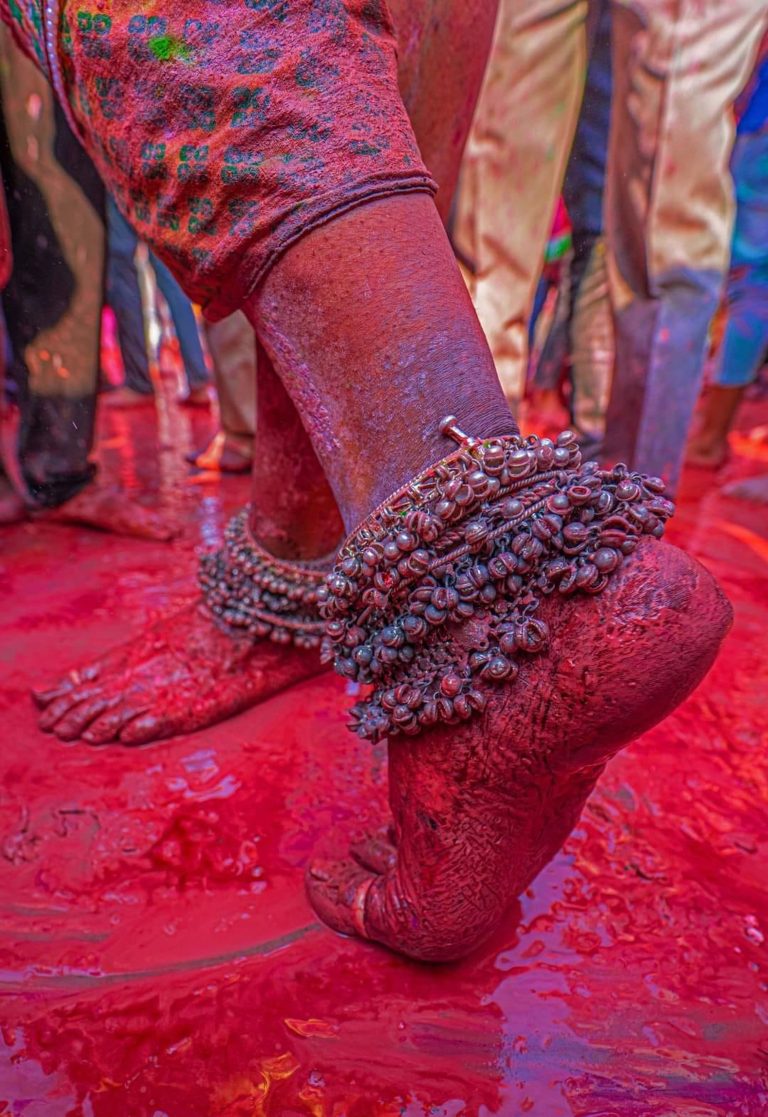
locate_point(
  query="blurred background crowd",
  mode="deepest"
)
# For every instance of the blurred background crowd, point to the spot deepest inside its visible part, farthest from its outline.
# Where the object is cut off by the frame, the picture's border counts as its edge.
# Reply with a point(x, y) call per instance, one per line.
point(611, 223)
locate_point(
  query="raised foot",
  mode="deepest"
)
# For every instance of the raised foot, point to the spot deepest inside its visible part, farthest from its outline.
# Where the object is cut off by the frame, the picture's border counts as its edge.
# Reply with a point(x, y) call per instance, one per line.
point(481, 807)
point(182, 674)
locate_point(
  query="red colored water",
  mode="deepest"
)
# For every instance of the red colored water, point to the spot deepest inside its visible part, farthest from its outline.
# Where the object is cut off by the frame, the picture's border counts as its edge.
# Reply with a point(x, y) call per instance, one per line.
point(158, 956)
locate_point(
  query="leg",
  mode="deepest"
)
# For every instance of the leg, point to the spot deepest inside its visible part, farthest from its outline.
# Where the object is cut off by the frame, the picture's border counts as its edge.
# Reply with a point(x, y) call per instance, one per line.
point(678, 66)
point(187, 332)
point(443, 50)
point(53, 298)
point(422, 348)
point(295, 520)
point(745, 342)
point(53, 310)
point(514, 167)
point(189, 671)
point(478, 808)
point(124, 296)
point(419, 354)
point(233, 348)
point(591, 325)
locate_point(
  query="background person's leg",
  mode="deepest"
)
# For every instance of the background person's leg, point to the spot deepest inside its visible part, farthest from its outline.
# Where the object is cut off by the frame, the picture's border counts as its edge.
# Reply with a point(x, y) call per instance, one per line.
point(590, 324)
point(443, 48)
point(233, 348)
point(678, 66)
point(54, 297)
point(185, 326)
point(744, 346)
point(124, 297)
point(514, 166)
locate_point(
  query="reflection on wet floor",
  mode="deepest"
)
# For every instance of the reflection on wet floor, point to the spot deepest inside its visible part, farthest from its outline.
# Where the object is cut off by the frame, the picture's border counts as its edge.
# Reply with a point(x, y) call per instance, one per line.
point(158, 956)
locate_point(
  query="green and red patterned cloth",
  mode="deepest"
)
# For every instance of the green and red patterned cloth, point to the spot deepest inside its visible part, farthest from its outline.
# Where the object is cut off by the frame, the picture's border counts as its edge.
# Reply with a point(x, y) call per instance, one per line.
point(227, 129)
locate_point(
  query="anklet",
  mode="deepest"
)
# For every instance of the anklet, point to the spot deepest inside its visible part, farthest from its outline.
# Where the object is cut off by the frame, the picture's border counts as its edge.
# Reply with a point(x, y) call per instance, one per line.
point(487, 531)
point(251, 591)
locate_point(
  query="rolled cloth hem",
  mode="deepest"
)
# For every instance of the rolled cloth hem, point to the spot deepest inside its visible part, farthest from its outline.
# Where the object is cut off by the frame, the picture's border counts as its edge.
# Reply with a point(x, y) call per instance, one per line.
point(252, 272)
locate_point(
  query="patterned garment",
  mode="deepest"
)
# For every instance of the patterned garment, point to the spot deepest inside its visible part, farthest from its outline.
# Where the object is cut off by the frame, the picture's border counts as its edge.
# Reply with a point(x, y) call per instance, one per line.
point(25, 19)
point(227, 129)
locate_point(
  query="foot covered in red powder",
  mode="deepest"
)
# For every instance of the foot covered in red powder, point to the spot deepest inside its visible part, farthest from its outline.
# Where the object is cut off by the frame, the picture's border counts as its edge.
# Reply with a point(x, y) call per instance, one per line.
point(108, 508)
point(184, 673)
point(479, 808)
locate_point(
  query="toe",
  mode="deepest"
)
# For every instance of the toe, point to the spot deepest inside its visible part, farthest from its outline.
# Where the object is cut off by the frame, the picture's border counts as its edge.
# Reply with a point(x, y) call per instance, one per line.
point(73, 681)
point(337, 890)
point(374, 853)
point(106, 727)
point(145, 727)
point(71, 726)
point(43, 698)
point(60, 707)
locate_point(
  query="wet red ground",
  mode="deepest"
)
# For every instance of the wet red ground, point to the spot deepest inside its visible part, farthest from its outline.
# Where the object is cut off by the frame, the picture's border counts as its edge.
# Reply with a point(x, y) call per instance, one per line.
point(158, 956)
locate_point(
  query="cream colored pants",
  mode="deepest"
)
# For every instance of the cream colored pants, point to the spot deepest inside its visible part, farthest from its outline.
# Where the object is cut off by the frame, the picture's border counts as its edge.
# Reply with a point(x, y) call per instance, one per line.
point(232, 345)
point(678, 66)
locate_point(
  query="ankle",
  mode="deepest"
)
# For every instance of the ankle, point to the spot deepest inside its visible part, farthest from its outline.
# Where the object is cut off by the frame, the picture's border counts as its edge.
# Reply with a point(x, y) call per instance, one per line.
point(415, 449)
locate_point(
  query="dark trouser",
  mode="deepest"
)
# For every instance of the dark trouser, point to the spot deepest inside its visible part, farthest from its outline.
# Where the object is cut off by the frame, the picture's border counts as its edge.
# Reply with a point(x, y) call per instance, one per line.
point(52, 303)
point(124, 296)
point(581, 336)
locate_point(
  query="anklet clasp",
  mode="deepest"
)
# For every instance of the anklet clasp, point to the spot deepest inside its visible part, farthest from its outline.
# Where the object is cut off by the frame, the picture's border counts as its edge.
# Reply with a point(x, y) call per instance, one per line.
point(449, 426)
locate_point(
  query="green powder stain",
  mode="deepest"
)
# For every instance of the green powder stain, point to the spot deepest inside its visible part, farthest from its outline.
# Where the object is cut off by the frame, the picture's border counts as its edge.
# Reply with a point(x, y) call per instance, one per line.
point(167, 49)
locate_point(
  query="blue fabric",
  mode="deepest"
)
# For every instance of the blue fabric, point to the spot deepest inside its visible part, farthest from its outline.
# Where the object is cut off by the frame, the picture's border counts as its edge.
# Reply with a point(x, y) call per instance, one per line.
point(124, 296)
point(745, 343)
point(755, 116)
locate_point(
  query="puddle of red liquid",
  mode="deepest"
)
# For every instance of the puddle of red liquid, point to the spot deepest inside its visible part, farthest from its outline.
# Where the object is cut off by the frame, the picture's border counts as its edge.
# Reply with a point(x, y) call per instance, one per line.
point(157, 955)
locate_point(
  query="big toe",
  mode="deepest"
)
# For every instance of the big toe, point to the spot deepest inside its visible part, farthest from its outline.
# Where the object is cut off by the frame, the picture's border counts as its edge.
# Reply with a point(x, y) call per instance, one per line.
point(337, 891)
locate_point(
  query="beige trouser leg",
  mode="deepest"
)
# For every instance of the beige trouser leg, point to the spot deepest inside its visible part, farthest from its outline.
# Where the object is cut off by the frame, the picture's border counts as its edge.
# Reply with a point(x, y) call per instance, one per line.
point(232, 345)
point(514, 166)
point(678, 66)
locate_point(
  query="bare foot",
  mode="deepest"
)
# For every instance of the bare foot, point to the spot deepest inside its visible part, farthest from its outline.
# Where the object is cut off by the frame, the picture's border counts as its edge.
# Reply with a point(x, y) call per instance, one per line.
point(125, 397)
point(225, 453)
point(182, 674)
point(706, 452)
point(754, 490)
point(196, 397)
point(480, 807)
point(107, 508)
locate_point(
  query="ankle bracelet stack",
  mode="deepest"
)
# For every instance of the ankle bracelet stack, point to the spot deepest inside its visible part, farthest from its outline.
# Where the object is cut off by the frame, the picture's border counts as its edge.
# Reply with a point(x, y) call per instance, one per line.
point(252, 592)
point(486, 532)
